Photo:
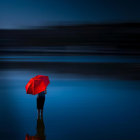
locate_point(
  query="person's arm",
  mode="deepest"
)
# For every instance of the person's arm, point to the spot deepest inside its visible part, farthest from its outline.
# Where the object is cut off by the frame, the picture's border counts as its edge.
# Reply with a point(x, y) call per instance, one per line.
point(46, 91)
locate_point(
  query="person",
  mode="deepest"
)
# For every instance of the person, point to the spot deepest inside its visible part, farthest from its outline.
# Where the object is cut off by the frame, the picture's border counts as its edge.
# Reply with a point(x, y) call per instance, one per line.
point(40, 130)
point(40, 103)
point(40, 123)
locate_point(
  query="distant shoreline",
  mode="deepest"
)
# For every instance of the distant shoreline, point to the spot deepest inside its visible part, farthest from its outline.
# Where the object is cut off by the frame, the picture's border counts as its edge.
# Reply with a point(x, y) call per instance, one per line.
point(114, 38)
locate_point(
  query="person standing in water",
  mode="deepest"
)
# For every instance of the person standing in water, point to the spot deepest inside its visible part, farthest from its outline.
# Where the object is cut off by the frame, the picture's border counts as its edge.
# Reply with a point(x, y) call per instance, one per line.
point(40, 129)
point(40, 103)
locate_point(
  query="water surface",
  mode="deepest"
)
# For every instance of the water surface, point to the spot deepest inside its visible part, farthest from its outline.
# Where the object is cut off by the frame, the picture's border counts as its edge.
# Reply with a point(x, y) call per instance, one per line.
point(80, 104)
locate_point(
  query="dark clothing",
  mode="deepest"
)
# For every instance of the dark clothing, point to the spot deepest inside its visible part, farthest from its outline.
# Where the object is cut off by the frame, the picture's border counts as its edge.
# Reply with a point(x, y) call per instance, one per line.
point(40, 100)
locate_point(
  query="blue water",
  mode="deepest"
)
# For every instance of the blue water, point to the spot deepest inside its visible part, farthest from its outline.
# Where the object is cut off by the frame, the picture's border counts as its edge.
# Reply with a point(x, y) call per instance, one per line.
point(75, 108)
point(74, 59)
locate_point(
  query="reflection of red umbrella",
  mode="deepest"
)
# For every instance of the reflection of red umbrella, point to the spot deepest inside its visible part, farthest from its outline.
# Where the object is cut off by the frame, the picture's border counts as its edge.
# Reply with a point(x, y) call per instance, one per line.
point(37, 84)
point(32, 137)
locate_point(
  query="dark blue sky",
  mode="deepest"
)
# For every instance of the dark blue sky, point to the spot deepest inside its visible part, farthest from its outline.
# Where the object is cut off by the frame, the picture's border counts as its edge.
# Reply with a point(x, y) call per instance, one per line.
point(26, 13)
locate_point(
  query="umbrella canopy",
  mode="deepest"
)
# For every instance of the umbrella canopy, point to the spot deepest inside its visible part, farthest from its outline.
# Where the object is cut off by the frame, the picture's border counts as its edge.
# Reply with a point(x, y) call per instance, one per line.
point(37, 84)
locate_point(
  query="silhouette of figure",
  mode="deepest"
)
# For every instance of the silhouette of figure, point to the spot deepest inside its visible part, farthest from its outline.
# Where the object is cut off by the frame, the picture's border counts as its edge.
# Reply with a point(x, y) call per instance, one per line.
point(40, 130)
point(40, 103)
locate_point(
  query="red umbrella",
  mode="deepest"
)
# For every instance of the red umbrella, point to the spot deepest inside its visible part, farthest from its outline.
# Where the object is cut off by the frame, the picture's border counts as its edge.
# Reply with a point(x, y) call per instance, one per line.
point(37, 84)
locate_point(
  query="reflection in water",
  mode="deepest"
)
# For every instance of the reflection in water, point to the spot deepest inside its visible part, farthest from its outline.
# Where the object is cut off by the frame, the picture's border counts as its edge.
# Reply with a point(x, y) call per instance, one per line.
point(40, 135)
point(85, 108)
point(40, 130)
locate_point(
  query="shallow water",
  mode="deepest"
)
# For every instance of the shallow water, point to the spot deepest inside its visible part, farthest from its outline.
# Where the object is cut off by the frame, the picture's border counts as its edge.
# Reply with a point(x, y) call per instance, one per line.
point(73, 59)
point(76, 107)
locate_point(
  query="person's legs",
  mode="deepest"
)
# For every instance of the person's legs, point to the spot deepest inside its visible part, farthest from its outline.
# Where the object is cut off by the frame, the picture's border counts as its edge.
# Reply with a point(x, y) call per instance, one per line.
point(38, 107)
point(38, 113)
point(40, 104)
point(41, 113)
